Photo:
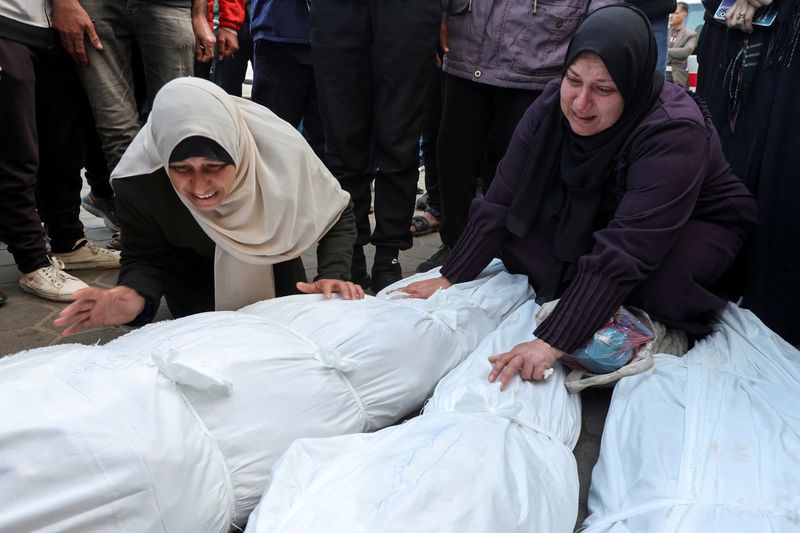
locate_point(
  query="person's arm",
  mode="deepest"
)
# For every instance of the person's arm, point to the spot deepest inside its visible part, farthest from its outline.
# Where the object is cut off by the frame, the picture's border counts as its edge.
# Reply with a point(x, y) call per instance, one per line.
point(231, 17)
point(203, 35)
point(682, 52)
point(231, 14)
point(663, 182)
point(486, 230)
point(335, 248)
point(143, 270)
point(146, 253)
point(334, 256)
point(72, 23)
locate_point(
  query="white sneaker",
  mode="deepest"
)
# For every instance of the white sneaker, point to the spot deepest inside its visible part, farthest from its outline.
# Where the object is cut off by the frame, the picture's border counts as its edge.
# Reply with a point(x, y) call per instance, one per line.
point(89, 256)
point(52, 283)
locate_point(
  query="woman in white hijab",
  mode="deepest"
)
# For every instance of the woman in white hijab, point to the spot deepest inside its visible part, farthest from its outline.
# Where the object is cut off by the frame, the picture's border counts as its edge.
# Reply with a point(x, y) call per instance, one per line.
point(217, 198)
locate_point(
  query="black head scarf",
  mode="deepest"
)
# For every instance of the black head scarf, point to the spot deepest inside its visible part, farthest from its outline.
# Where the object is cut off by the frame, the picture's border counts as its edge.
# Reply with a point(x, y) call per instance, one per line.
point(568, 176)
point(199, 146)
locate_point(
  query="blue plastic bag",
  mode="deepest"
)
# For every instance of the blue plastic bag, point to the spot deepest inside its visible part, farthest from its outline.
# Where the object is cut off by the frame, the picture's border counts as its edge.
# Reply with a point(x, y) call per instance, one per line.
point(612, 346)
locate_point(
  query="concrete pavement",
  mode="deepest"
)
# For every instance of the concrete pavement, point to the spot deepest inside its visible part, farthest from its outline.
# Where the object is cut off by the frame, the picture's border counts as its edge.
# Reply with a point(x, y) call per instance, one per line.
point(26, 322)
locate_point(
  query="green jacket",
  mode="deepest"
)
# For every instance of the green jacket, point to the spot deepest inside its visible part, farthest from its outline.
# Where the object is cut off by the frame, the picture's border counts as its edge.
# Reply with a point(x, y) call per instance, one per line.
point(161, 242)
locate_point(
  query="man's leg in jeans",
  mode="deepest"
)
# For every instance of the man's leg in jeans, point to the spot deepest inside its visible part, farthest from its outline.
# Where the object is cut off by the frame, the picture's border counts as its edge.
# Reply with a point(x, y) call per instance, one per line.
point(342, 51)
point(166, 41)
point(108, 79)
point(20, 226)
point(402, 68)
point(58, 94)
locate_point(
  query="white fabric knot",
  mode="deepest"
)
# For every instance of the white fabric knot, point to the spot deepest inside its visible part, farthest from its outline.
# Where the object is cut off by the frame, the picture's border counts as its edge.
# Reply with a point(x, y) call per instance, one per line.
point(181, 373)
point(330, 358)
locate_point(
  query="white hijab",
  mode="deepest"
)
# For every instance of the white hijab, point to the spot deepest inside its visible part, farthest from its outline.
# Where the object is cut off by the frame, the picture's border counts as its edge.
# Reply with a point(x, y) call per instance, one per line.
point(283, 199)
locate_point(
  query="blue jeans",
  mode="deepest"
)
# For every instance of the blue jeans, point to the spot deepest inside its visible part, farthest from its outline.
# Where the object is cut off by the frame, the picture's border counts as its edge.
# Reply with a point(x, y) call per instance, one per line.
point(661, 33)
point(166, 41)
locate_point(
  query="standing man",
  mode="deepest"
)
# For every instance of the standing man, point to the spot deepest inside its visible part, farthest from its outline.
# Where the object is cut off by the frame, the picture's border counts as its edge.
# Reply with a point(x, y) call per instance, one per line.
point(373, 61)
point(41, 155)
point(681, 45)
point(99, 35)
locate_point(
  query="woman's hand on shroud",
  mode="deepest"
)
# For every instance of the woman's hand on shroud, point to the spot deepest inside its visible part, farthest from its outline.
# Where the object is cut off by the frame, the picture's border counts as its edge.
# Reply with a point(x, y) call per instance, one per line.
point(531, 359)
point(327, 287)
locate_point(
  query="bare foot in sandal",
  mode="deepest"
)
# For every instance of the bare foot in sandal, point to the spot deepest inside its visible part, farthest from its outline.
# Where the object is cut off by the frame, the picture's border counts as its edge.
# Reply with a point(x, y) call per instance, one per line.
point(424, 224)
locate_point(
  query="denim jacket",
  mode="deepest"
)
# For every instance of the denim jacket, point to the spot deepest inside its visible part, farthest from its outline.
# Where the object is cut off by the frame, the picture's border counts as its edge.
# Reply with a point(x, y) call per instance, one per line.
point(519, 44)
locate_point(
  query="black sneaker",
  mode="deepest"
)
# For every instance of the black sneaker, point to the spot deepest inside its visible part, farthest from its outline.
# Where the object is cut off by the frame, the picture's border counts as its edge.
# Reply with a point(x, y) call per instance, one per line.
point(358, 268)
point(436, 260)
point(3, 297)
point(384, 275)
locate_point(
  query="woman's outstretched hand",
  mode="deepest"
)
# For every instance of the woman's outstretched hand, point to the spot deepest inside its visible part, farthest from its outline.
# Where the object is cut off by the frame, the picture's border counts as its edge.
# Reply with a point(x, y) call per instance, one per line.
point(95, 308)
point(423, 289)
point(531, 359)
point(327, 287)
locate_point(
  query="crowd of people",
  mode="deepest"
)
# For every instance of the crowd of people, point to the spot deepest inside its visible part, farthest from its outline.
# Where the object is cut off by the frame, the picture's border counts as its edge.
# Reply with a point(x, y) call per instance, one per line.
point(559, 137)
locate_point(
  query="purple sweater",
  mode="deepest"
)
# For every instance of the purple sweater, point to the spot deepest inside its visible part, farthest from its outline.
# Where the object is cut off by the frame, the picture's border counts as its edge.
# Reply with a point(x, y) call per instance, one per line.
point(674, 173)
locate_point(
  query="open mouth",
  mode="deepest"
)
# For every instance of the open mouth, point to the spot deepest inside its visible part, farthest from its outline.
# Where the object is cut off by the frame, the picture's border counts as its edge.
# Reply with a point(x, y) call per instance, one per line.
point(204, 196)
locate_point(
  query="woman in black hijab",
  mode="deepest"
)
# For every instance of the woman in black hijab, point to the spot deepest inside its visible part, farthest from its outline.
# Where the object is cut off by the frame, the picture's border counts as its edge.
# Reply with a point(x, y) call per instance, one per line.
point(614, 190)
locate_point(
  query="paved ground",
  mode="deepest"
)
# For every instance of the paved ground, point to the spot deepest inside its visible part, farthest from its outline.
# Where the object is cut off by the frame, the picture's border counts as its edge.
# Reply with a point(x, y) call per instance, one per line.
point(26, 322)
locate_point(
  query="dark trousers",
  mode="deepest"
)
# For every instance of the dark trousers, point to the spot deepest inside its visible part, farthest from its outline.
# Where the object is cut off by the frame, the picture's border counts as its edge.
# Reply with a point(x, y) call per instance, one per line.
point(97, 173)
point(40, 152)
point(478, 121)
point(229, 73)
point(286, 86)
point(430, 133)
point(373, 62)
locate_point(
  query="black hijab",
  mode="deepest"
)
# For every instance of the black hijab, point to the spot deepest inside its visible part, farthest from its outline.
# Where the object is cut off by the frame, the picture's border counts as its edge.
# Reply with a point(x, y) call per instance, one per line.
point(568, 176)
point(199, 146)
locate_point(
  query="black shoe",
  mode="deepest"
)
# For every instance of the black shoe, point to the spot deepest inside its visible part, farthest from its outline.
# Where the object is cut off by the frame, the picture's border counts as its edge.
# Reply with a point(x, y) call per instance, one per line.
point(436, 260)
point(3, 297)
point(358, 268)
point(384, 274)
point(422, 202)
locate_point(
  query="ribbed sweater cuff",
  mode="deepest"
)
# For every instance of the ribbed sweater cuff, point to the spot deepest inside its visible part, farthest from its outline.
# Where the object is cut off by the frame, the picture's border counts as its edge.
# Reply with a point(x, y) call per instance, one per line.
point(587, 304)
point(472, 252)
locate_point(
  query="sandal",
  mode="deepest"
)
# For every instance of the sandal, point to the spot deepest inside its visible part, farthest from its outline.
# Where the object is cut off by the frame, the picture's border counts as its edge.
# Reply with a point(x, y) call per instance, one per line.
point(115, 243)
point(420, 225)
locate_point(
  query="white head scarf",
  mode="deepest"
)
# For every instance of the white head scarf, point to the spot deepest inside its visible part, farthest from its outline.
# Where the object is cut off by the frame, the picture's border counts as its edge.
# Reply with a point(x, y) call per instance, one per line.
point(283, 199)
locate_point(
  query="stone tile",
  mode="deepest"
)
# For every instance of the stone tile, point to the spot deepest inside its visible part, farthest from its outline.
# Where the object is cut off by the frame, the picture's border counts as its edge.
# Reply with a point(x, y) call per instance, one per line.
point(98, 277)
point(9, 274)
point(23, 339)
point(24, 313)
point(107, 278)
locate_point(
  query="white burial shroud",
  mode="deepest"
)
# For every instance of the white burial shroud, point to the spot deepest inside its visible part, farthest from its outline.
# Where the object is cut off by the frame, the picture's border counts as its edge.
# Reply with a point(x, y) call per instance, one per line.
point(175, 427)
point(478, 459)
point(707, 442)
